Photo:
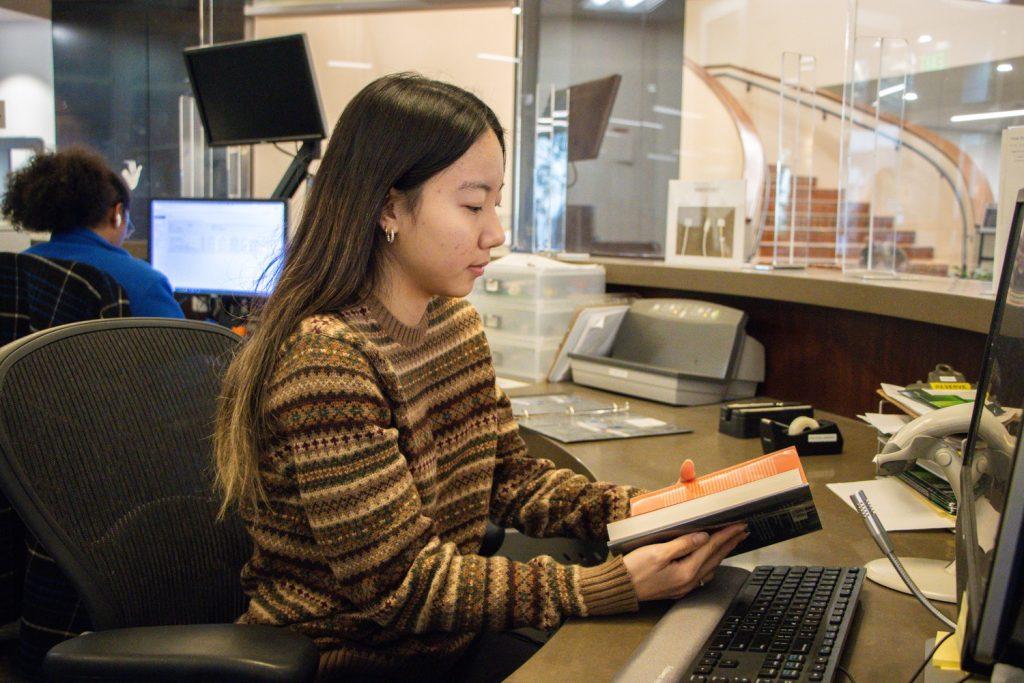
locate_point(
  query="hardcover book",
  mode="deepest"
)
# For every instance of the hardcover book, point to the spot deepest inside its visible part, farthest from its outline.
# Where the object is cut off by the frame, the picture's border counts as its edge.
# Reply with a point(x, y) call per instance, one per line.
point(769, 493)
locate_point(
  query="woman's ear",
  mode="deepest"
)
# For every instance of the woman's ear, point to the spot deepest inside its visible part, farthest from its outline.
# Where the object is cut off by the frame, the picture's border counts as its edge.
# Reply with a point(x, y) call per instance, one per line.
point(389, 215)
point(114, 217)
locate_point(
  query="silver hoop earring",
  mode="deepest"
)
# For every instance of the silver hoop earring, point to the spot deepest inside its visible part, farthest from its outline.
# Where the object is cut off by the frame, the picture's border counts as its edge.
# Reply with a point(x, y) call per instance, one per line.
point(390, 235)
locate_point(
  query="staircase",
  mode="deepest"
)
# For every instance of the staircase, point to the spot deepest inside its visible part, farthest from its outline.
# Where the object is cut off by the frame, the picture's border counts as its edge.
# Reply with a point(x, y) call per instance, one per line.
point(816, 233)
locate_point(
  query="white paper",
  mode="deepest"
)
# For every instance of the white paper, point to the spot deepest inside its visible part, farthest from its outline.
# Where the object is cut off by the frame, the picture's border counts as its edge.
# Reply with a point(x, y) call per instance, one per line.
point(644, 422)
point(899, 507)
point(884, 423)
point(506, 383)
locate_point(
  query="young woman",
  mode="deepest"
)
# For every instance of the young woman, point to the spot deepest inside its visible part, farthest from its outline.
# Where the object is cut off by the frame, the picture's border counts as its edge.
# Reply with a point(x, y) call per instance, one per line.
point(84, 206)
point(362, 435)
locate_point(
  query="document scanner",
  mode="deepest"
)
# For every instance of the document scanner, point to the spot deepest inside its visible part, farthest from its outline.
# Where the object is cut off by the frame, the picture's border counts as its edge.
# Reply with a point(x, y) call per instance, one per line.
point(677, 351)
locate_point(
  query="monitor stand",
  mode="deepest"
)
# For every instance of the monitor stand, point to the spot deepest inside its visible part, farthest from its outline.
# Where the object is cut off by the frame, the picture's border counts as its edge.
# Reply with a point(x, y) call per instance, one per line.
point(297, 170)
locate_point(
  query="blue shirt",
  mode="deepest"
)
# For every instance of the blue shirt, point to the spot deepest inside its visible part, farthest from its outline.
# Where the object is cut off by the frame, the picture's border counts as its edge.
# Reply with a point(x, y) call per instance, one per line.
point(148, 290)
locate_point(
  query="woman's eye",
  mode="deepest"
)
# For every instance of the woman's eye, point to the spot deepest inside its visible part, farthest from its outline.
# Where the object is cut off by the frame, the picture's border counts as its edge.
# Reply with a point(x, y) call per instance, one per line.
point(475, 209)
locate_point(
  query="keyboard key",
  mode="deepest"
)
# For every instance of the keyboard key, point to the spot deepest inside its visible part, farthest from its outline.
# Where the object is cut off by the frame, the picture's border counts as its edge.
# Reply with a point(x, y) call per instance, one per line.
point(697, 678)
point(705, 669)
point(824, 650)
point(768, 673)
point(816, 677)
point(801, 646)
point(789, 675)
point(728, 664)
point(721, 679)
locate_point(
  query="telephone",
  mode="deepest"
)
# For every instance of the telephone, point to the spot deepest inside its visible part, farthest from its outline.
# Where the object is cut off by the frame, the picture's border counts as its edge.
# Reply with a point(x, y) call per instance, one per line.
point(923, 439)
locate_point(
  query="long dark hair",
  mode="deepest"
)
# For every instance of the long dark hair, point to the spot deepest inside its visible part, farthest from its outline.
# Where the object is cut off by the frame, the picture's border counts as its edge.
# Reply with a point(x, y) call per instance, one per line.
point(397, 132)
point(60, 191)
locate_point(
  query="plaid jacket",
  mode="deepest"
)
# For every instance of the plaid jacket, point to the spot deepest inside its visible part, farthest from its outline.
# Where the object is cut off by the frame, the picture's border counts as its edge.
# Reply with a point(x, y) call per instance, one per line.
point(37, 293)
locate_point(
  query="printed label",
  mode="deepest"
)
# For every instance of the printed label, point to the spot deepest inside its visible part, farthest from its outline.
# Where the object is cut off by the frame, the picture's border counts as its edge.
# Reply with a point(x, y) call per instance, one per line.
point(615, 372)
point(821, 438)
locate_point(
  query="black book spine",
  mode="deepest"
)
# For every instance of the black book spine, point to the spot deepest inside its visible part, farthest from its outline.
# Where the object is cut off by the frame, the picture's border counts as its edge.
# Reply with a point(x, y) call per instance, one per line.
point(771, 519)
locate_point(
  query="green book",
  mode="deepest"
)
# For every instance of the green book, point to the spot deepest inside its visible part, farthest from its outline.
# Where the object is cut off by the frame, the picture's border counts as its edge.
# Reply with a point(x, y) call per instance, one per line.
point(932, 487)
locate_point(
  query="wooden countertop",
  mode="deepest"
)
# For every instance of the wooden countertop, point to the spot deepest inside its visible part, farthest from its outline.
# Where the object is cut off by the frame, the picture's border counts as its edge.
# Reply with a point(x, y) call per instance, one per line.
point(889, 631)
point(964, 304)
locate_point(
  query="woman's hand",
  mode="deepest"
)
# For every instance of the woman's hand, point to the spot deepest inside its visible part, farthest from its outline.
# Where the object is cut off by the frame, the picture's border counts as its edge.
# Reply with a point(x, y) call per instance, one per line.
point(671, 570)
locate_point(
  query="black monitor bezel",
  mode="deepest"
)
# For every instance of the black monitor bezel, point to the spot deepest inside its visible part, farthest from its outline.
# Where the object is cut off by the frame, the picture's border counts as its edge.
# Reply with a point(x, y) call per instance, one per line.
point(220, 47)
point(219, 292)
point(970, 660)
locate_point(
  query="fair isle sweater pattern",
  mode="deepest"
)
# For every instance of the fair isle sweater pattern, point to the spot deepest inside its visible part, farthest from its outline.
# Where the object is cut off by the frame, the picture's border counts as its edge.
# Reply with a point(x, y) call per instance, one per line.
point(392, 448)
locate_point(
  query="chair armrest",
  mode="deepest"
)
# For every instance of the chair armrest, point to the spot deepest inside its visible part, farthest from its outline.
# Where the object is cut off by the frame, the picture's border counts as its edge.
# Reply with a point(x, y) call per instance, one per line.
point(221, 652)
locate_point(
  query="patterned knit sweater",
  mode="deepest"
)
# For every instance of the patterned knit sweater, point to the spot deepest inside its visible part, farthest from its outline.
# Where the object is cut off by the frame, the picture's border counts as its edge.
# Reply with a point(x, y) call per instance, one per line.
point(392, 448)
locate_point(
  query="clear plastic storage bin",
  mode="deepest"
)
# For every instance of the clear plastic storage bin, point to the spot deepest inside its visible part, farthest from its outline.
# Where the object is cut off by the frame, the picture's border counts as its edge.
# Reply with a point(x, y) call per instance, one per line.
point(528, 277)
point(538, 318)
point(521, 357)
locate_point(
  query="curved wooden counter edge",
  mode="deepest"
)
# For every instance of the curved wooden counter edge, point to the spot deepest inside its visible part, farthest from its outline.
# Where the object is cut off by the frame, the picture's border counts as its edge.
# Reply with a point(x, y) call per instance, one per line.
point(962, 304)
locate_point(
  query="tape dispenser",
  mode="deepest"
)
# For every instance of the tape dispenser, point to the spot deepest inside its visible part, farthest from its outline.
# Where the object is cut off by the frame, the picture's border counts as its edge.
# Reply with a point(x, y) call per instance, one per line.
point(808, 435)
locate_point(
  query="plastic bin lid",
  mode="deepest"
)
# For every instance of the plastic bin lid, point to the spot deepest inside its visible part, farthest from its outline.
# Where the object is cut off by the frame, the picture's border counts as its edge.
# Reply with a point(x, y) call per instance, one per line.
point(521, 262)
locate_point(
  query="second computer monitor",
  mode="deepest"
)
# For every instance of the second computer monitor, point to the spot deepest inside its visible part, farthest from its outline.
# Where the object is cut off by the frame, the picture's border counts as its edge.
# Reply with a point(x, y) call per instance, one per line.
point(218, 246)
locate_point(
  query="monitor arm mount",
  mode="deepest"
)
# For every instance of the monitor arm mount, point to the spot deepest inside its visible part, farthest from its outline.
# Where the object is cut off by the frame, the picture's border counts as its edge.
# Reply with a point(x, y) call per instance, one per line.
point(297, 170)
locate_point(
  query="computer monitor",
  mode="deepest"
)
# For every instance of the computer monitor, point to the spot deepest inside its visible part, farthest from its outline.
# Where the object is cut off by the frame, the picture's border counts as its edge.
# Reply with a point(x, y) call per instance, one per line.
point(590, 107)
point(256, 91)
point(990, 525)
point(218, 246)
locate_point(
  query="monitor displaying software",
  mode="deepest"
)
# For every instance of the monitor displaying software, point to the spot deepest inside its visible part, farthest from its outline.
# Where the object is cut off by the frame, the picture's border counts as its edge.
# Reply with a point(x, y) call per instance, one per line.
point(217, 246)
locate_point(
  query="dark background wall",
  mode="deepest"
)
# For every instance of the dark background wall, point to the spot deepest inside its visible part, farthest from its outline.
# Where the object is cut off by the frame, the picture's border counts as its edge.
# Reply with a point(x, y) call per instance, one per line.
point(118, 75)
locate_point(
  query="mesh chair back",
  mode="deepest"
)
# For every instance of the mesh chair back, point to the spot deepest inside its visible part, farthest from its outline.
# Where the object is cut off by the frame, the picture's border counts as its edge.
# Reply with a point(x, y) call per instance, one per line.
point(106, 454)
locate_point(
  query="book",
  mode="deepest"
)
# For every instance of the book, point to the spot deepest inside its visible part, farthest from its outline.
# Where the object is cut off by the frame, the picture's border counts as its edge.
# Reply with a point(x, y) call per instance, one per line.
point(769, 493)
point(934, 488)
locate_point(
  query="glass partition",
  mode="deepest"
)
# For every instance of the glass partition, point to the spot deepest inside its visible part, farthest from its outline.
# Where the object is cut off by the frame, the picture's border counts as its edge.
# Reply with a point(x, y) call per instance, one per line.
point(623, 139)
point(955, 68)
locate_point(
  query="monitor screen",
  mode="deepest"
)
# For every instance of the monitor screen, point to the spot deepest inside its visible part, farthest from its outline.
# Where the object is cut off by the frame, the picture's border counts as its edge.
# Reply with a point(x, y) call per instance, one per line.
point(256, 91)
point(217, 246)
point(590, 107)
point(989, 546)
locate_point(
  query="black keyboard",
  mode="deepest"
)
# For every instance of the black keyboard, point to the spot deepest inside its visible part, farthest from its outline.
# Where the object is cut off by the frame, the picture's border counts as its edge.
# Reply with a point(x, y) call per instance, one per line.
point(785, 624)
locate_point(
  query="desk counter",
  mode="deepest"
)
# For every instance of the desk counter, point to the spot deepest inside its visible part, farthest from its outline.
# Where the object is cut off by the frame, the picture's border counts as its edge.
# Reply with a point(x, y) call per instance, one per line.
point(887, 639)
point(961, 304)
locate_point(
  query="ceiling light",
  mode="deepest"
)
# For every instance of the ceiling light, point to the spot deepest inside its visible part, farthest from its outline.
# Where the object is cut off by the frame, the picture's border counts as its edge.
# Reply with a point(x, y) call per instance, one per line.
point(891, 90)
point(910, 96)
point(598, 3)
point(959, 118)
point(497, 58)
point(517, 11)
point(633, 123)
point(629, 4)
point(338, 64)
point(925, 38)
point(1004, 67)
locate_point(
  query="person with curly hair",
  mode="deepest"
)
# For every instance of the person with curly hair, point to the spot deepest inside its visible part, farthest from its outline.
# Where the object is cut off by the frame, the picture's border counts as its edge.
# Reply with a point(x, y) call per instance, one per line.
point(85, 206)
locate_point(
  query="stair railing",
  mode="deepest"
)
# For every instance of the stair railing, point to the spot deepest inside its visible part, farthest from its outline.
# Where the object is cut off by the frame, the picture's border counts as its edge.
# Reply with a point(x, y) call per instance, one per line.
point(954, 165)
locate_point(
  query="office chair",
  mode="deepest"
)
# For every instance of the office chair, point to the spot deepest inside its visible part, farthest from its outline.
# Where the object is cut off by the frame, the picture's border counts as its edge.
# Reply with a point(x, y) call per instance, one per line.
point(105, 454)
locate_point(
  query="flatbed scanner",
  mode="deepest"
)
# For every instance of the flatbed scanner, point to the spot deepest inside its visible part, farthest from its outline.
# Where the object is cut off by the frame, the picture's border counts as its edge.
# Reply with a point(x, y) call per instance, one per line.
point(677, 351)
